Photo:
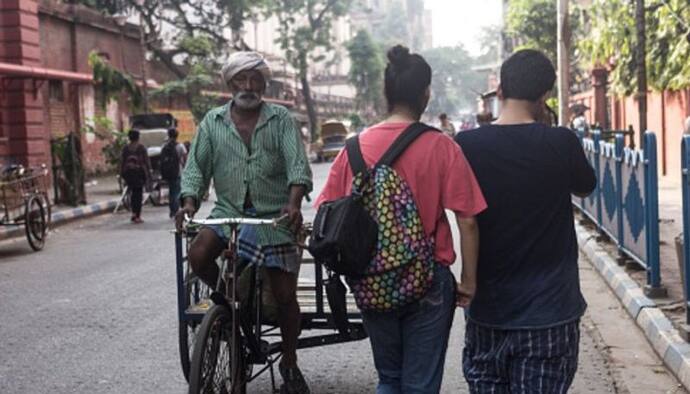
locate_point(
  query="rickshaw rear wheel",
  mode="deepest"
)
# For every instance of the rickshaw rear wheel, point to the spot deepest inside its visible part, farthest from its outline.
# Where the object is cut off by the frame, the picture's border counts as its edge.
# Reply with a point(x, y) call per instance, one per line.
point(213, 359)
point(35, 222)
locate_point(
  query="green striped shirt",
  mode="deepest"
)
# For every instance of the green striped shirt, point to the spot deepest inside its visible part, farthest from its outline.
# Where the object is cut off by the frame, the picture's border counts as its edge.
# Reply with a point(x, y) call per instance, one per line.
point(277, 161)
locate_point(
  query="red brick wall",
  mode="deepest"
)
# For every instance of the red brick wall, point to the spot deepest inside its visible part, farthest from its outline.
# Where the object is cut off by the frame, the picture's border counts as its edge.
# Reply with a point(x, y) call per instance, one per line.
point(68, 34)
point(21, 110)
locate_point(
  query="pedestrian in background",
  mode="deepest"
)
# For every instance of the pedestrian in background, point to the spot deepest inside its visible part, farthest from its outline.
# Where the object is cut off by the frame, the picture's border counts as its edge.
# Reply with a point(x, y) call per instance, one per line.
point(409, 343)
point(135, 169)
point(173, 159)
point(446, 126)
point(522, 333)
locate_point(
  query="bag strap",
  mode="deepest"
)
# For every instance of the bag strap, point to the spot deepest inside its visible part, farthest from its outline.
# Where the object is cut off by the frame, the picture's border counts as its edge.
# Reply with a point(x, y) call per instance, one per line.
point(403, 141)
point(354, 151)
point(354, 155)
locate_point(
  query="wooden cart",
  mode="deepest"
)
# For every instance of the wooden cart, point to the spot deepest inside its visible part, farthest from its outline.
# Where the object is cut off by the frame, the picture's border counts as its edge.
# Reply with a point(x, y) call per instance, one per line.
point(24, 201)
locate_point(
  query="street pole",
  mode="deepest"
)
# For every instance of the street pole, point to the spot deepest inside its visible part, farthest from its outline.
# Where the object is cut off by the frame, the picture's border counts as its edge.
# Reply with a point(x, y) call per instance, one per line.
point(563, 63)
point(641, 69)
point(142, 43)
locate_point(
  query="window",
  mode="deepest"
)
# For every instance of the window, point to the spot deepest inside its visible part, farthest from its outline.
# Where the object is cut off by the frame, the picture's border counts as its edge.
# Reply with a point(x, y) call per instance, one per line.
point(56, 92)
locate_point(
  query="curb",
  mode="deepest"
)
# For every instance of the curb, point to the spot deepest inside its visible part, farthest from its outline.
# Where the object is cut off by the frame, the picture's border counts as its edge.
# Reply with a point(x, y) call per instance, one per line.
point(658, 329)
point(64, 216)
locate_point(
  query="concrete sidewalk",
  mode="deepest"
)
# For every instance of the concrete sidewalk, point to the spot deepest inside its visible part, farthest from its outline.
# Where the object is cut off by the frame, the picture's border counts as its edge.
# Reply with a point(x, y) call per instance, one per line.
point(659, 319)
point(102, 196)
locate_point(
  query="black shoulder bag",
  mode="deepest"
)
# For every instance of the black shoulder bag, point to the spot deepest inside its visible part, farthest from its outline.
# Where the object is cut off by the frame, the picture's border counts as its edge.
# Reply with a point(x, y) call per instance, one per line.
point(344, 234)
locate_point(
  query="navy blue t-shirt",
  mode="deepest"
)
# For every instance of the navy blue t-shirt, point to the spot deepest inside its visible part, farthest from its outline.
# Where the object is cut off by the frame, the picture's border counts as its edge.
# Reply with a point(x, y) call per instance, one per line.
point(527, 271)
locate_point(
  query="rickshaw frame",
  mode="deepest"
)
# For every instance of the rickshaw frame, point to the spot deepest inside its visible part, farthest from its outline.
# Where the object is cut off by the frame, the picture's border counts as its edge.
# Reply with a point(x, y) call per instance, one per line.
point(348, 325)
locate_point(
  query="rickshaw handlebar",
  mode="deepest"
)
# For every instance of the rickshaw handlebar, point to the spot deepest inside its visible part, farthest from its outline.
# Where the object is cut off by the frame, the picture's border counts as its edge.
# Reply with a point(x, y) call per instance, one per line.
point(228, 221)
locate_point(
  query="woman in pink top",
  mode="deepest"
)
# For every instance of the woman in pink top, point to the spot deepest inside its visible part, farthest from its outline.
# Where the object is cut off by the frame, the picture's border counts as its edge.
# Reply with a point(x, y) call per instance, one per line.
point(409, 343)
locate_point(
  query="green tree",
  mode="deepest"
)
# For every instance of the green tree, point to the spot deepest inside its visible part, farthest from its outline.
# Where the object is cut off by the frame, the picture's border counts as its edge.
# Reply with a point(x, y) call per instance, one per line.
point(366, 73)
point(534, 24)
point(189, 38)
point(454, 84)
point(305, 37)
point(611, 42)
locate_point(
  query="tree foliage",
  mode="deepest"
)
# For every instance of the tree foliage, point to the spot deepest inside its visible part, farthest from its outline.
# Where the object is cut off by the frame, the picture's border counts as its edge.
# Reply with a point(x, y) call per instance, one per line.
point(190, 38)
point(611, 42)
point(534, 24)
point(305, 28)
point(113, 82)
point(366, 72)
point(454, 84)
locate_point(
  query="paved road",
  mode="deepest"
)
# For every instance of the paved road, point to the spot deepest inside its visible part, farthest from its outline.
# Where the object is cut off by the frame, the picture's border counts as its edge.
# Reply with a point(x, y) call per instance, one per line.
point(95, 312)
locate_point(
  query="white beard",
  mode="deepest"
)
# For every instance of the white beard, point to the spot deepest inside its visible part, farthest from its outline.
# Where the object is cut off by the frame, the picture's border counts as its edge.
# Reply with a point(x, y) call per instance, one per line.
point(248, 101)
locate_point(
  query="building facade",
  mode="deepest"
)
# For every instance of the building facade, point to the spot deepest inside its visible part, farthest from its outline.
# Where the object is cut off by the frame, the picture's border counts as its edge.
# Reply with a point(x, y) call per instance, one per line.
point(47, 88)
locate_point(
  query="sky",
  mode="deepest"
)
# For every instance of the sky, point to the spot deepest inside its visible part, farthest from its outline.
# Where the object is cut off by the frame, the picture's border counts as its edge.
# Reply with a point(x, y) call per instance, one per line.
point(460, 21)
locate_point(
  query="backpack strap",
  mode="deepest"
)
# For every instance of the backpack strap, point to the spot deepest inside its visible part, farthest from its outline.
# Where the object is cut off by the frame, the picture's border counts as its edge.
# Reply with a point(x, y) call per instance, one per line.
point(354, 155)
point(403, 141)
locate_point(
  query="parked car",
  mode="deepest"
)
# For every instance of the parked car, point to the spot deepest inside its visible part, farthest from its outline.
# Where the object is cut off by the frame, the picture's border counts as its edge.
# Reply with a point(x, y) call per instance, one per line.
point(332, 141)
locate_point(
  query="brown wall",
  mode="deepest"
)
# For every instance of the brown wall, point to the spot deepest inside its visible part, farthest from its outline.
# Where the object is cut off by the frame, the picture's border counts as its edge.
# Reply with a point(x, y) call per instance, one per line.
point(21, 120)
point(67, 35)
point(666, 114)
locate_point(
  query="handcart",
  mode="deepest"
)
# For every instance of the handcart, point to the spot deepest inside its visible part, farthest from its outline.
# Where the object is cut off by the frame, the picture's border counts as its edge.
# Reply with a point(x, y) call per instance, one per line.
point(24, 201)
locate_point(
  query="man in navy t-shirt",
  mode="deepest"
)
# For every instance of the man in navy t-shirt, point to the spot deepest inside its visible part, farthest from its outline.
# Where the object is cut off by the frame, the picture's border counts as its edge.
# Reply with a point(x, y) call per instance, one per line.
point(523, 324)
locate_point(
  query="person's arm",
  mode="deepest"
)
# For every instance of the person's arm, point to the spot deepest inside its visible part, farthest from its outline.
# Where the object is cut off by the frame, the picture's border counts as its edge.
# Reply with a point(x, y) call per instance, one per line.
point(294, 208)
point(196, 176)
point(299, 176)
point(183, 155)
point(338, 182)
point(296, 161)
point(463, 196)
point(147, 163)
point(469, 250)
point(583, 181)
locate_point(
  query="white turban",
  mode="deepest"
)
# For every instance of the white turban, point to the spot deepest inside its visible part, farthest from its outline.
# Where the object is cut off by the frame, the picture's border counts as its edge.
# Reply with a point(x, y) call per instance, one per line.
point(242, 61)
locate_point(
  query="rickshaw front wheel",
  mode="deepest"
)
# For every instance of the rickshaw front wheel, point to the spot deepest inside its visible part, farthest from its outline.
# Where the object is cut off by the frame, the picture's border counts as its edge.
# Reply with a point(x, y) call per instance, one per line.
point(216, 366)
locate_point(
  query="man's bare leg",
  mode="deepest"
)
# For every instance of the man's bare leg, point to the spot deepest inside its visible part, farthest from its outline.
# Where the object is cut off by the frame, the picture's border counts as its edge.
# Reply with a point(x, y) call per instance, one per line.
point(203, 251)
point(284, 288)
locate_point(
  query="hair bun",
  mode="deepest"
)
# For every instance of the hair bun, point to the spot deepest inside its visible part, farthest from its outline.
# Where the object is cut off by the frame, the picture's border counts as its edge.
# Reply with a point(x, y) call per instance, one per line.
point(399, 56)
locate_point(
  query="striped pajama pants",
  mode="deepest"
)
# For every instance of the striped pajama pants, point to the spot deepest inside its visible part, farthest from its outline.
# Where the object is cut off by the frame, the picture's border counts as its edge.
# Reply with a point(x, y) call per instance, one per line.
point(521, 361)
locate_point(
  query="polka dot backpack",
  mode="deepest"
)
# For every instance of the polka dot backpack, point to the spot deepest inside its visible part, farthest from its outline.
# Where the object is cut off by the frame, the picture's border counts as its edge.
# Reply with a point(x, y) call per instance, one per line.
point(402, 268)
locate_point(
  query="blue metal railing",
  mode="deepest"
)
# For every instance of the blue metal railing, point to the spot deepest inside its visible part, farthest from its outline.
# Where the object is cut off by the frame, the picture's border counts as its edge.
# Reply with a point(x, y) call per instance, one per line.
point(625, 203)
point(685, 169)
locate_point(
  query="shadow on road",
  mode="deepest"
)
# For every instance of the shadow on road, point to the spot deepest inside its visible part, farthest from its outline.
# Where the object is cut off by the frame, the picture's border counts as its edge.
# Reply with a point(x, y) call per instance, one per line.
point(15, 249)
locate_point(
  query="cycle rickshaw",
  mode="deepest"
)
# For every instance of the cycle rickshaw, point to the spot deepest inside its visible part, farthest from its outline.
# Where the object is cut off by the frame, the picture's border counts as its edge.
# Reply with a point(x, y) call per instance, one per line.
point(228, 334)
point(24, 201)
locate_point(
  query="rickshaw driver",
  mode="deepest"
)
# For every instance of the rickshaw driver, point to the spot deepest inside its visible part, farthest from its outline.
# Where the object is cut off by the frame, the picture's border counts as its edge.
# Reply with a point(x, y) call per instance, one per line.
point(254, 153)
